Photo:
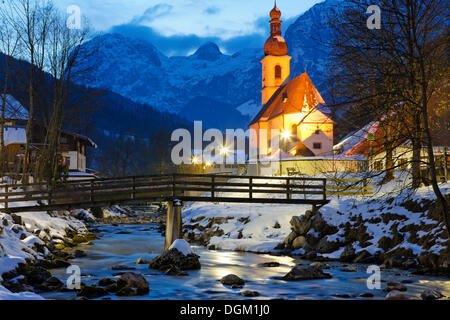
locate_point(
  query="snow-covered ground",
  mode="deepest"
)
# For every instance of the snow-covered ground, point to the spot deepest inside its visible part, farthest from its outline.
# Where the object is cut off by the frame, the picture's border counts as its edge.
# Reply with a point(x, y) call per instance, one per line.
point(260, 227)
point(22, 241)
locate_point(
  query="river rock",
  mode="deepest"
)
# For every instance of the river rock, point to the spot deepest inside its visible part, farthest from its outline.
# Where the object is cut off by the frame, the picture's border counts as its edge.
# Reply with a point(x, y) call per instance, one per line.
point(80, 254)
point(348, 254)
point(300, 224)
point(175, 271)
point(92, 292)
point(391, 286)
point(299, 242)
point(172, 257)
point(132, 284)
point(142, 261)
point(319, 265)
point(106, 282)
point(271, 264)
point(431, 294)
point(249, 293)
point(290, 238)
point(395, 295)
point(122, 267)
point(232, 279)
point(393, 262)
point(366, 295)
point(364, 257)
point(299, 273)
point(37, 275)
point(348, 269)
point(325, 246)
point(51, 284)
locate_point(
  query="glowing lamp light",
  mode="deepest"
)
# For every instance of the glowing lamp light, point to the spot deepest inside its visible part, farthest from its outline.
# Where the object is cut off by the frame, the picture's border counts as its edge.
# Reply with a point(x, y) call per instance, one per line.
point(208, 164)
point(270, 150)
point(294, 152)
point(195, 160)
point(285, 134)
point(224, 151)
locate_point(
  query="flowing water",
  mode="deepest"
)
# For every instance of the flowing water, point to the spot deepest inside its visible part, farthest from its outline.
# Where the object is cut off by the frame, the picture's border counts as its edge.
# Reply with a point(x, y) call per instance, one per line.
point(123, 245)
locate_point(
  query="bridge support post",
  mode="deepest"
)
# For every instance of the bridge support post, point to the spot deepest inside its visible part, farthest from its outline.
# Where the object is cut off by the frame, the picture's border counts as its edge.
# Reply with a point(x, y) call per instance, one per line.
point(173, 223)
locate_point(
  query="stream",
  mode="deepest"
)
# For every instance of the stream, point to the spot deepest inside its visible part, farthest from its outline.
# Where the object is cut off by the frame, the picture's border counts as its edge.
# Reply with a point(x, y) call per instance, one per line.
point(124, 244)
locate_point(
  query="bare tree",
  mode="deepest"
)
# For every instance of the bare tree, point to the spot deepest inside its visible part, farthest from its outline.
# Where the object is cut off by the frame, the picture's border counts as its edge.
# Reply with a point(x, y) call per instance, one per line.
point(63, 49)
point(390, 74)
point(9, 46)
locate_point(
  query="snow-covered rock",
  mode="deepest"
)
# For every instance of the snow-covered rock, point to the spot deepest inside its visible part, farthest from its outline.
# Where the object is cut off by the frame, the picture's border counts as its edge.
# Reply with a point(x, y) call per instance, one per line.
point(182, 246)
point(5, 294)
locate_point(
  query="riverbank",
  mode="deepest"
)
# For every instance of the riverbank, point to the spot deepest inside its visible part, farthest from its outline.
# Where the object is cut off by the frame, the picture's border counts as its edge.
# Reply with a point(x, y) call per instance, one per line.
point(34, 243)
point(395, 227)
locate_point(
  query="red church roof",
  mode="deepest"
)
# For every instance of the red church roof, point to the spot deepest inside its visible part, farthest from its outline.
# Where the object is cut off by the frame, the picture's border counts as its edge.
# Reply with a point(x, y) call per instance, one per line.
point(293, 97)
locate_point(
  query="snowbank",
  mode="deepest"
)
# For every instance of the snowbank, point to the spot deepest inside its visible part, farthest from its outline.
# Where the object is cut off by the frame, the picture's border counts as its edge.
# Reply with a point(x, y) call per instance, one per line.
point(261, 227)
point(24, 236)
point(5, 294)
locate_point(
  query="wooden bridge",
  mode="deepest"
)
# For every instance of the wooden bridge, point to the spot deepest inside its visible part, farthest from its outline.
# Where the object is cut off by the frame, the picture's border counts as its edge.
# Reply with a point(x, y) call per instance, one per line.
point(174, 189)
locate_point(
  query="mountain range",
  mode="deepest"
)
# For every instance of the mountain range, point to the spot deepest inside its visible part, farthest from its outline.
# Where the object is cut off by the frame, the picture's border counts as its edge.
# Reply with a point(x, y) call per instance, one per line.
point(220, 89)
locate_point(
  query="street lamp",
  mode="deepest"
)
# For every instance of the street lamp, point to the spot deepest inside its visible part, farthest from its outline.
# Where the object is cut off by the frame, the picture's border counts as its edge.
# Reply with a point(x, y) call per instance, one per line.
point(224, 151)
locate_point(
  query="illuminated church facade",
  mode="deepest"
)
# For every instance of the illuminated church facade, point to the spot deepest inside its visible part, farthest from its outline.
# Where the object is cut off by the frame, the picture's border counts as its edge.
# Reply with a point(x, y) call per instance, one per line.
point(290, 108)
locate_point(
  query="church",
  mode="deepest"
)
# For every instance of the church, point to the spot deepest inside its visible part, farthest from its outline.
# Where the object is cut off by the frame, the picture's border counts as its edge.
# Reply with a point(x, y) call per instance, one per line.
point(290, 111)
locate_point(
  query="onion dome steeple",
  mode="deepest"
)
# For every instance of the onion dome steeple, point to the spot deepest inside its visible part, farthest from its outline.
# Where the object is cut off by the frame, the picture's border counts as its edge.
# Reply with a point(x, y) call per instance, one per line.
point(275, 45)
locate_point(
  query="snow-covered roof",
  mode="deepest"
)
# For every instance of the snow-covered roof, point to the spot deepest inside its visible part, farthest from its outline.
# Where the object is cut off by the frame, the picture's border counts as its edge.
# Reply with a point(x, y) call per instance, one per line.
point(354, 138)
point(15, 110)
point(14, 135)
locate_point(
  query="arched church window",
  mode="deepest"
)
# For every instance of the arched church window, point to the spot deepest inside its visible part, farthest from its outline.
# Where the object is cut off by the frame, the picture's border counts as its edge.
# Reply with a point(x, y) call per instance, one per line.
point(277, 72)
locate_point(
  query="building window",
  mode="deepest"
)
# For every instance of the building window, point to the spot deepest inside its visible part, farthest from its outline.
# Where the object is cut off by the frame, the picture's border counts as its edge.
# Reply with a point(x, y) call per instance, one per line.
point(317, 145)
point(277, 72)
point(402, 163)
point(378, 166)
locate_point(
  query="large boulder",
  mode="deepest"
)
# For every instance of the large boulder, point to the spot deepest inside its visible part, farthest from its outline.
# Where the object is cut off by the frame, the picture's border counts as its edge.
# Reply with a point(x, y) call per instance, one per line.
point(178, 256)
point(431, 294)
point(299, 242)
point(395, 286)
point(132, 284)
point(348, 254)
point(232, 279)
point(299, 273)
point(37, 275)
point(325, 246)
point(92, 292)
point(290, 238)
point(300, 224)
point(395, 295)
point(319, 224)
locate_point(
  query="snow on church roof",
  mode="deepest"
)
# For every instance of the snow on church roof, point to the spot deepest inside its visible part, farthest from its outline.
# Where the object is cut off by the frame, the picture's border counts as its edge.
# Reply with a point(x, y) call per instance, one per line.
point(292, 98)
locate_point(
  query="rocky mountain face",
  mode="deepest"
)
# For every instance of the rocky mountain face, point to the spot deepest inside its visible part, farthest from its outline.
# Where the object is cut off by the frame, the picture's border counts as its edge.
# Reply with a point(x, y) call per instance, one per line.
point(137, 70)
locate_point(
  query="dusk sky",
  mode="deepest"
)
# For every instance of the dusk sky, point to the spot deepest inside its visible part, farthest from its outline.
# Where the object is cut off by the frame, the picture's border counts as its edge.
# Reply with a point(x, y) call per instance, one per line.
point(177, 27)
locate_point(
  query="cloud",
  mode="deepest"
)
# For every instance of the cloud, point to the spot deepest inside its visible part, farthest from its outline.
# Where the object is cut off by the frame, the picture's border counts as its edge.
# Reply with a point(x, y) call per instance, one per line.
point(152, 13)
point(211, 11)
point(178, 45)
point(184, 44)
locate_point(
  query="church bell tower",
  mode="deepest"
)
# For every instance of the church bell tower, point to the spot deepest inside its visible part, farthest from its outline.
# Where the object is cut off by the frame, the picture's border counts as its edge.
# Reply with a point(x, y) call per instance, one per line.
point(276, 63)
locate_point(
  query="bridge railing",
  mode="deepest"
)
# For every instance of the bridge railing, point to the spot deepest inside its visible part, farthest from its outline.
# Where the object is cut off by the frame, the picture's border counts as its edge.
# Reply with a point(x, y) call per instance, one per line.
point(185, 187)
